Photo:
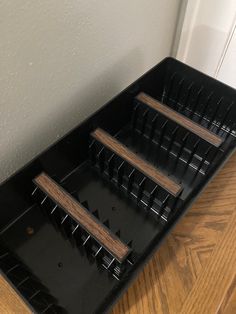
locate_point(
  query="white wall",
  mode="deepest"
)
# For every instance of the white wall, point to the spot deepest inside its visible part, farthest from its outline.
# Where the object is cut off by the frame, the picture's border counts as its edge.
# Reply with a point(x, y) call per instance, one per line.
point(206, 33)
point(60, 60)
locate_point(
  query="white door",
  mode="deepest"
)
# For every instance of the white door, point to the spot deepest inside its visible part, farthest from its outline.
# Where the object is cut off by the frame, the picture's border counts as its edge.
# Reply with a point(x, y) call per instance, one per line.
point(227, 71)
point(208, 38)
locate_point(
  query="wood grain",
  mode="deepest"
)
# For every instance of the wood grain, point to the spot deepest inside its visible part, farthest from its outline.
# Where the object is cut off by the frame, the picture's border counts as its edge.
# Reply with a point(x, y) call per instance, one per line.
point(230, 307)
point(188, 124)
point(140, 164)
point(10, 301)
point(211, 287)
point(92, 225)
point(229, 303)
point(167, 280)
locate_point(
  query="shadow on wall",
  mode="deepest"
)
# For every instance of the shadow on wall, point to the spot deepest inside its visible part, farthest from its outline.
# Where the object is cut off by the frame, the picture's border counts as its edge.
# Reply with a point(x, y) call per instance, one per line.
point(100, 90)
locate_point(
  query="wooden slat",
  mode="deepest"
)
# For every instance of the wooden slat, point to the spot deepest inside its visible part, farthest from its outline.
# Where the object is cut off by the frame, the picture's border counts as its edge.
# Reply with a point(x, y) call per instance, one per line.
point(86, 220)
point(10, 301)
point(140, 164)
point(213, 284)
point(188, 124)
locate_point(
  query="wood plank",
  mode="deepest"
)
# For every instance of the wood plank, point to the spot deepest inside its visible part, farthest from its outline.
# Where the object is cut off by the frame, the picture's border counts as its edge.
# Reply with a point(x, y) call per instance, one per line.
point(228, 306)
point(168, 278)
point(213, 284)
point(140, 164)
point(10, 301)
point(87, 221)
point(180, 119)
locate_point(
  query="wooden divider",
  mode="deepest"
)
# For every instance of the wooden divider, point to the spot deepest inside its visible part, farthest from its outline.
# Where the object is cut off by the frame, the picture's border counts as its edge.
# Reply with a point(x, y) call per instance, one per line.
point(140, 164)
point(84, 218)
point(180, 119)
point(10, 301)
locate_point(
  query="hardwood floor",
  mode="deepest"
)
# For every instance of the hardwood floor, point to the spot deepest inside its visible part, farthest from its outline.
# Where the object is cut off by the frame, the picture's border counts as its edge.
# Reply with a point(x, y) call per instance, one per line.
point(174, 273)
point(213, 284)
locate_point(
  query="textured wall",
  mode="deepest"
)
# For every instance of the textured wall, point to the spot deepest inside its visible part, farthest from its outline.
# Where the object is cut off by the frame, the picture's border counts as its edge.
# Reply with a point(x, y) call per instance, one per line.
point(60, 60)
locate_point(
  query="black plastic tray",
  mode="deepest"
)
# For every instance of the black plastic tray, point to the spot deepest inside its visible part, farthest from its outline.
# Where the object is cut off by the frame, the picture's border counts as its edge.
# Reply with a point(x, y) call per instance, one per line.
point(55, 276)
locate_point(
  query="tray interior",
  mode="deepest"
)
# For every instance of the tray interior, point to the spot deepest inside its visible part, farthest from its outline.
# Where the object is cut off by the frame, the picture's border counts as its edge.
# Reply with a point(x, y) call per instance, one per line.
point(64, 276)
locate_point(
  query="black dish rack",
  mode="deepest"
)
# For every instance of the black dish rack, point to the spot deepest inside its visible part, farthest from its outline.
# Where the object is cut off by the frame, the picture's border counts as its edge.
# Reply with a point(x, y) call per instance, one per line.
point(134, 169)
